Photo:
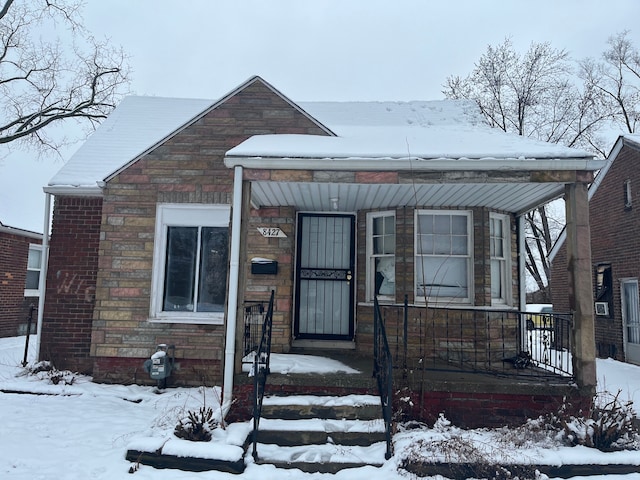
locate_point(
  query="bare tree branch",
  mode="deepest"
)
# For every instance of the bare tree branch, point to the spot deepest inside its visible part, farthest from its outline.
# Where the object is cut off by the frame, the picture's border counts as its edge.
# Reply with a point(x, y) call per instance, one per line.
point(538, 95)
point(42, 84)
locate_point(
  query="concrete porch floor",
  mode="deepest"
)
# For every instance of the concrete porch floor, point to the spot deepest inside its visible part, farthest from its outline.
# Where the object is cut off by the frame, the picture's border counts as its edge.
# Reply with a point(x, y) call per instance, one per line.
point(436, 377)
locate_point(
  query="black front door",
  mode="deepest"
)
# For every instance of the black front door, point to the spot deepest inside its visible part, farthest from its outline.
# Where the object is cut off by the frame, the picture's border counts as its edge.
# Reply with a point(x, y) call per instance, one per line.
point(325, 277)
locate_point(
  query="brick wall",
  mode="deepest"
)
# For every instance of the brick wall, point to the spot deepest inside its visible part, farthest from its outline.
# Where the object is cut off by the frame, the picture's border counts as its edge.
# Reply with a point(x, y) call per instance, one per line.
point(614, 240)
point(258, 287)
point(71, 282)
point(14, 306)
point(188, 168)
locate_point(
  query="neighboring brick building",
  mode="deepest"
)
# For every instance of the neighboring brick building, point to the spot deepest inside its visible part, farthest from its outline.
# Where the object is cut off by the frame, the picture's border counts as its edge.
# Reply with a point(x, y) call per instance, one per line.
point(614, 213)
point(20, 252)
point(176, 213)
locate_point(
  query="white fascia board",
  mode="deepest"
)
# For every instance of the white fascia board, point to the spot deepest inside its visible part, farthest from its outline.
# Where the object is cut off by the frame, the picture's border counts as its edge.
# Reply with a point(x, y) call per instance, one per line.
point(414, 163)
point(72, 191)
point(20, 232)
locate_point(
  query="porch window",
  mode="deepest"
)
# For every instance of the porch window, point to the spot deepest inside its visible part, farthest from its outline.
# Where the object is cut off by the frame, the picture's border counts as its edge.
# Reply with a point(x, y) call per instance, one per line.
point(381, 255)
point(443, 256)
point(500, 252)
point(32, 284)
point(190, 263)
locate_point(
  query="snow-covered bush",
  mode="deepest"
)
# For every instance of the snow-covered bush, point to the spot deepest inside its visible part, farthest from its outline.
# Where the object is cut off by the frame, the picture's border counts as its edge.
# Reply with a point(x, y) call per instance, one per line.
point(612, 425)
point(197, 426)
point(45, 370)
point(467, 454)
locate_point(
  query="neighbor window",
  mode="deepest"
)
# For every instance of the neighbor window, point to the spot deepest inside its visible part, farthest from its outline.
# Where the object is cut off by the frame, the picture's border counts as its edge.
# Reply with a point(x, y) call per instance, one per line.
point(191, 263)
point(32, 284)
point(443, 256)
point(381, 255)
point(500, 250)
point(628, 198)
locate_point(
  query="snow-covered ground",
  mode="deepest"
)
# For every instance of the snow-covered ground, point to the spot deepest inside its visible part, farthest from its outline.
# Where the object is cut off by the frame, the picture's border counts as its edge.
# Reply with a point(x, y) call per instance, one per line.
point(82, 430)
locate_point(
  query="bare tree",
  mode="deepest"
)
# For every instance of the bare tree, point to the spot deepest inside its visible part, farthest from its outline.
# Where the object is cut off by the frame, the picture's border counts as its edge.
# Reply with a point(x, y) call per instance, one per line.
point(616, 80)
point(535, 95)
point(45, 81)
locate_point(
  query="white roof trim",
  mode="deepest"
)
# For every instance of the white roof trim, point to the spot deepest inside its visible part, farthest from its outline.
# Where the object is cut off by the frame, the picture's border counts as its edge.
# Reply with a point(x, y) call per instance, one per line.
point(71, 191)
point(413, 163)
point(20, 232)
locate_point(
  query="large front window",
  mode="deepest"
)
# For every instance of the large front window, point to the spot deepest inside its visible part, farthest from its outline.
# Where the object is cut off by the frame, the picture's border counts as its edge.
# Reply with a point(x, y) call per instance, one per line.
point(443, 250)
point(191, 263)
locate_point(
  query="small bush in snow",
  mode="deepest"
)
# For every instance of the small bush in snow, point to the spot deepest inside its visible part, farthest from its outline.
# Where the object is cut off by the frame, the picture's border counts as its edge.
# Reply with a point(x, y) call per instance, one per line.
point(611, 425)
point(197, 426)
point(465, 456)
point(45, 370)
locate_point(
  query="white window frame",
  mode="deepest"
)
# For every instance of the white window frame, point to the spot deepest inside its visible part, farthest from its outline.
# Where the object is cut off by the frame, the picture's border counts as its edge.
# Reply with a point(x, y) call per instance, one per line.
point(371, 257)
point(444, 300)
point(35, 292)
point(182, 215)
point(504, 261)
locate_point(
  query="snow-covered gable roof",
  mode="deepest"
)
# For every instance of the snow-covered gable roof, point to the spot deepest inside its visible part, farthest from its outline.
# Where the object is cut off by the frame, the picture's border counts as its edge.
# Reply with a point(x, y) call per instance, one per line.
point(443, 129)
point(136, 125)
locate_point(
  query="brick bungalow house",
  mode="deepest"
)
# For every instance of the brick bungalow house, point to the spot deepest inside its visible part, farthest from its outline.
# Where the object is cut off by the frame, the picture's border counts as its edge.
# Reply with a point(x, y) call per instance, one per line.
point(20, 263)
point(614, 215)
point(175, 214)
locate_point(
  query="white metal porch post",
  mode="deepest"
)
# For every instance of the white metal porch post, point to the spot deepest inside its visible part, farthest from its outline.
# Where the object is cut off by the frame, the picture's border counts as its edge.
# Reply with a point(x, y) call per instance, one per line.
point(232, 305)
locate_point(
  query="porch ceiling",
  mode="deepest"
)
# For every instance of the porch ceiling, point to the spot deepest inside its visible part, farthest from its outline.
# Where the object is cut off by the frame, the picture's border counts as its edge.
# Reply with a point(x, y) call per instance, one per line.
point(315, 196)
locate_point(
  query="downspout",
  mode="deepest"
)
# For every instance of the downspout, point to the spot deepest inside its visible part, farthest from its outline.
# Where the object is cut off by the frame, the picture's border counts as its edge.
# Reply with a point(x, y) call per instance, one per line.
point(44, 262)
point(232, 306)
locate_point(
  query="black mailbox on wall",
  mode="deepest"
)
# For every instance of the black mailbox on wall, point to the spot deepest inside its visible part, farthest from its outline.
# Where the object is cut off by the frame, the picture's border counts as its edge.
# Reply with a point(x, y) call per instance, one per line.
point(264, 266)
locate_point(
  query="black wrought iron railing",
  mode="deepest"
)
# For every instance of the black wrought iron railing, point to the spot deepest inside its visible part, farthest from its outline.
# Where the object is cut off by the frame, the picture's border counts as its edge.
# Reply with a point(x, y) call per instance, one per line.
point(260, 371)
point(383, 372)
point(254, 313)
point(494, 341)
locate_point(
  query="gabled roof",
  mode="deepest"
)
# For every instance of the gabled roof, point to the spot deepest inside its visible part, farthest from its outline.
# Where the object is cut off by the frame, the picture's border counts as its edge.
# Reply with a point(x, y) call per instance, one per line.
point(424, 135)
point(136, 126)
point(631, 140)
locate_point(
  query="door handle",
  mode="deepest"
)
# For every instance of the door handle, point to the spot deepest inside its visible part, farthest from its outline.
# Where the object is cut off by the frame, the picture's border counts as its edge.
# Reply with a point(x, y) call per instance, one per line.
point(349, 277)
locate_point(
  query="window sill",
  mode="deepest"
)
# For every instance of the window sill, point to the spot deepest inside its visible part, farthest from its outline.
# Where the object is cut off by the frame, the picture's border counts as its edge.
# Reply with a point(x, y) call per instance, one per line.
point(195, 320)
point(31, 292)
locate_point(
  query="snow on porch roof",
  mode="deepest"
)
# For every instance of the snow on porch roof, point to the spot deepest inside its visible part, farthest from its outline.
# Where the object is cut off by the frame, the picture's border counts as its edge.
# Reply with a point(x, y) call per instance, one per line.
point(381, 131)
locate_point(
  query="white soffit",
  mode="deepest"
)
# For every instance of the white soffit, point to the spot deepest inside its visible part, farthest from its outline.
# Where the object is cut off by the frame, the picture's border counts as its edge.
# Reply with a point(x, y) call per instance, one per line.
point(308, 196)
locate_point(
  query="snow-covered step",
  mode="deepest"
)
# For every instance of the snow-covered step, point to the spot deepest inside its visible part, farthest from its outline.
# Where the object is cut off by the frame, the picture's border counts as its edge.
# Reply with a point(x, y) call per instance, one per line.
point(327, 458)
point(350, 407)
point(320, 431)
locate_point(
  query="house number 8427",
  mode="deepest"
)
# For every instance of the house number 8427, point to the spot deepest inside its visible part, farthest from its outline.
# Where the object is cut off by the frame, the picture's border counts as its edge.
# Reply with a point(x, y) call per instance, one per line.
point(271, 232)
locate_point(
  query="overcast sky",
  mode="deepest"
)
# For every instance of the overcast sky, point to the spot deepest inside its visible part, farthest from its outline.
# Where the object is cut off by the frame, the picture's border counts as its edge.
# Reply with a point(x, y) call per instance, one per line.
point(314, 50)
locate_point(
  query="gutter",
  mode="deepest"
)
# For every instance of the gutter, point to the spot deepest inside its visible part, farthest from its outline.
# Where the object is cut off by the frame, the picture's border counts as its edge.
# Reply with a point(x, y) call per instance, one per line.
point(234, 285)
point(70, 190)
point(44, 263)
point(414, 163)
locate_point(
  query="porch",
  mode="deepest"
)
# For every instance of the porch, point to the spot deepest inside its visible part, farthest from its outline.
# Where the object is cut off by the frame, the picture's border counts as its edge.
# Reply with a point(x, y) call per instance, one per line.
point(478, 367)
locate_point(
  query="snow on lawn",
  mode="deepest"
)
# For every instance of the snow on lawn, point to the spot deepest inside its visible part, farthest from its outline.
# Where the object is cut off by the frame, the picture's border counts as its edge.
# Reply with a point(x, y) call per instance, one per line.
point(82, 430)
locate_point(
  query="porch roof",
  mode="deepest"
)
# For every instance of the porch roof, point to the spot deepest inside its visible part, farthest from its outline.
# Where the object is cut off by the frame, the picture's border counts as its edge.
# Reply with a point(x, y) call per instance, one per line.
point(349, 197)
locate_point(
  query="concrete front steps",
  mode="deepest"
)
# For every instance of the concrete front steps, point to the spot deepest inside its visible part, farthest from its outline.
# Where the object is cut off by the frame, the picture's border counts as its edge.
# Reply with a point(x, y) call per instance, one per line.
point(321, 433)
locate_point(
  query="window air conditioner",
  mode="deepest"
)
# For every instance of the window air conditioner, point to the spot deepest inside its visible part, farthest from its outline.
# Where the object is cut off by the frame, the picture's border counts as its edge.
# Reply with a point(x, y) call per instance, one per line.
point(602, 309)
